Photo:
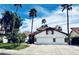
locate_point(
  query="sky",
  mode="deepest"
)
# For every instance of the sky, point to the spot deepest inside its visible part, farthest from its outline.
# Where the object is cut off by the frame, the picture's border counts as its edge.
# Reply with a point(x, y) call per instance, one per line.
point(51, 12)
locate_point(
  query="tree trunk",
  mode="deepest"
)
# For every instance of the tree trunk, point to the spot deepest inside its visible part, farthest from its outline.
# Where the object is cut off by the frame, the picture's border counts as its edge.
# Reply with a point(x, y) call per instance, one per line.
point(68, 26)
point(32, 28)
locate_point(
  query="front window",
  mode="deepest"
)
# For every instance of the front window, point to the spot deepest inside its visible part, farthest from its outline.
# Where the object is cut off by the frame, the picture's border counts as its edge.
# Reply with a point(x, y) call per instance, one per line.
point(54, 39)
point(66, 40)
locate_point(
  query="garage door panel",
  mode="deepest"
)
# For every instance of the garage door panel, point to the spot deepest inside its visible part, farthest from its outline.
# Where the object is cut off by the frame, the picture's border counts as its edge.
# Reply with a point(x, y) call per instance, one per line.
point(50, 41)
point(44, 40)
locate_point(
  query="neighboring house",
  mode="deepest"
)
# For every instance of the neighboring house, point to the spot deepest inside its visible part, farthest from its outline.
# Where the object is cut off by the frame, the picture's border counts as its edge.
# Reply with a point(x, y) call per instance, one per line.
point(74, 35)
point(50, 35)
point(2, 35)
point(74, 32)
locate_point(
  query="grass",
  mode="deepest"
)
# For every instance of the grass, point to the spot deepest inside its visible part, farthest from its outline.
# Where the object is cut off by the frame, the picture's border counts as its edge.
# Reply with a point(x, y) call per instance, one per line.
point(12, 46)
point(21, 47)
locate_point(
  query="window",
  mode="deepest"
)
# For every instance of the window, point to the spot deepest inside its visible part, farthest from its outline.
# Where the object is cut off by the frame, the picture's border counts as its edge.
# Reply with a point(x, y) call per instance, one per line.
point(54, 39)
point(49, 32)
point(66, 40)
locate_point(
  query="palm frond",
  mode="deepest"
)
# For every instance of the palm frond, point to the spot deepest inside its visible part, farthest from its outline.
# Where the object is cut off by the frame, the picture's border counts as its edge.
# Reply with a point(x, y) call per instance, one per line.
point(33, 12)
point(63, 6)
point(20, 5)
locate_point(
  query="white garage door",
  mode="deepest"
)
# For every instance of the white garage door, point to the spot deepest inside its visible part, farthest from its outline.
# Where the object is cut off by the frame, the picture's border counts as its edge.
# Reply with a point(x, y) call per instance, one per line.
point(59, 41)
point(44, 41)
point(50, 41)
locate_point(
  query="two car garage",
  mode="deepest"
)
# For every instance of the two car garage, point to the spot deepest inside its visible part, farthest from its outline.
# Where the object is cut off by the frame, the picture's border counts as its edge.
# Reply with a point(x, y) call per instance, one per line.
point(56, 41)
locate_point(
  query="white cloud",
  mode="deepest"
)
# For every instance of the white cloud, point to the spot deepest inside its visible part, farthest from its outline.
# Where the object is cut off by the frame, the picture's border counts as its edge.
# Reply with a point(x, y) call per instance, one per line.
point(40, 10)
point(56, 17)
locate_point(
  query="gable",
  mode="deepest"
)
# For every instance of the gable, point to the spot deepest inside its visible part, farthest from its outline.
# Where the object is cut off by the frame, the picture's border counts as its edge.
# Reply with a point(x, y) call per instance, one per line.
point(54, 34)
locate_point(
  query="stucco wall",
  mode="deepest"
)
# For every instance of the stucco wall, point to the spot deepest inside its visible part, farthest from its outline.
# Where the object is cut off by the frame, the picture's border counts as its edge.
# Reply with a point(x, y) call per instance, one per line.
point(42, 38)
point(74, 34)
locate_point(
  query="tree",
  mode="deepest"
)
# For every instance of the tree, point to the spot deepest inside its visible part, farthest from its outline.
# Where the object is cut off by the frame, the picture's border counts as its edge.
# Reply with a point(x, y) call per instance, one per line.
point(59, 28)
point(17, 7)
point(7, 21)
point(44, 23)
point(32, 15)
point(16, 37)
point(67, 7)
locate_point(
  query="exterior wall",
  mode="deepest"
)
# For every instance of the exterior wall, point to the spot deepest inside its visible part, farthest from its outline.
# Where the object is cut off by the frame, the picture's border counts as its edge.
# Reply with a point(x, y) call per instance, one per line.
point(59, 41)
point(74, 34)
point(5, 40)
point(42, 38)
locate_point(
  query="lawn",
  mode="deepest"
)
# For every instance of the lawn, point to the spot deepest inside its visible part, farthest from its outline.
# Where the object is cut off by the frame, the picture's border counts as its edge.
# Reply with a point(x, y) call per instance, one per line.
point(12, 46)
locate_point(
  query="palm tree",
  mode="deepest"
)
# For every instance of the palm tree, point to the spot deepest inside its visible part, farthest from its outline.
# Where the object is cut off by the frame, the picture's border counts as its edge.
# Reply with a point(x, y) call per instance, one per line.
point(67, 7)
point(32, 14)
point(17, 7)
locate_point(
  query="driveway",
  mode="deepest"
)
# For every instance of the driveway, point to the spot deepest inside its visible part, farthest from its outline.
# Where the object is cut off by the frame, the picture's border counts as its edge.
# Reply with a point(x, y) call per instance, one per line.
point(51, 50)
point(47, 50)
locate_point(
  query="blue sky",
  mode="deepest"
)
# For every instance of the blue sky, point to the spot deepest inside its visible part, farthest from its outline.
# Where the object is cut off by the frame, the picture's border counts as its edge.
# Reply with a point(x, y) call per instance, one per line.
point(51, 12)
point(26, 7)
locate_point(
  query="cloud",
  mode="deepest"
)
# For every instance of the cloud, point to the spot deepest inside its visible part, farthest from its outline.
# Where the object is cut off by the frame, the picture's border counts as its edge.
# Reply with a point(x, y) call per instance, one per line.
point(40, 11)
point(56, 17)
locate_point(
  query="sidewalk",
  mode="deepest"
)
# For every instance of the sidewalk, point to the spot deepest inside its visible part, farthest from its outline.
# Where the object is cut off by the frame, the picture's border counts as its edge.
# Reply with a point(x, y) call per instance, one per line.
point(44, 50)
point(8, 52)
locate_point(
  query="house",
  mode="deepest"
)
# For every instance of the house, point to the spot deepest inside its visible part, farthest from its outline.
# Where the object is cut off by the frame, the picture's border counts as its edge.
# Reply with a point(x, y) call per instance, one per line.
point(74, 34)
point(2, 35)
point(50, 35)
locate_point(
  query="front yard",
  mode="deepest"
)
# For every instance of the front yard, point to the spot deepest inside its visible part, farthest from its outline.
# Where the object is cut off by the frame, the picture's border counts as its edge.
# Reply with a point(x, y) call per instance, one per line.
point(12, 46)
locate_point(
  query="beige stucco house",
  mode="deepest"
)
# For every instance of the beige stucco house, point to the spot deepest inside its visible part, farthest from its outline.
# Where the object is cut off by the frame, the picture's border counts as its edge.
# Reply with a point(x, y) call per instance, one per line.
point(51, 36)
point(74, 32)
point(74, 35)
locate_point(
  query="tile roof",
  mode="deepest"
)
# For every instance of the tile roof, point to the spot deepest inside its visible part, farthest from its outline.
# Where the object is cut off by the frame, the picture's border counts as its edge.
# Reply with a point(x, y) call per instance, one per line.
point(37, 32)
point(76, 29)
point(41, 28)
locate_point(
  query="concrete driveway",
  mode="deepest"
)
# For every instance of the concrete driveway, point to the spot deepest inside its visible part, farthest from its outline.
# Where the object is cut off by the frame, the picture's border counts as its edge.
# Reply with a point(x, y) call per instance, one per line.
point(45, 50)
point(51, 50)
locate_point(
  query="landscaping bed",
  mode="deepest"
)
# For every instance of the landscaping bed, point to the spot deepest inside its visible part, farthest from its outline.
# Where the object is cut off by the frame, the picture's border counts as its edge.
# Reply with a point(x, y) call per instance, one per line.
point(12, 46)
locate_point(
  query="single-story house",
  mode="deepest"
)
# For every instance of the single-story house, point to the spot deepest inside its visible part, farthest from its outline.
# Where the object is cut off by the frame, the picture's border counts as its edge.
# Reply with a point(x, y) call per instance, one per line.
point(50, 35)
point(74, 34)
point(3, 35)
